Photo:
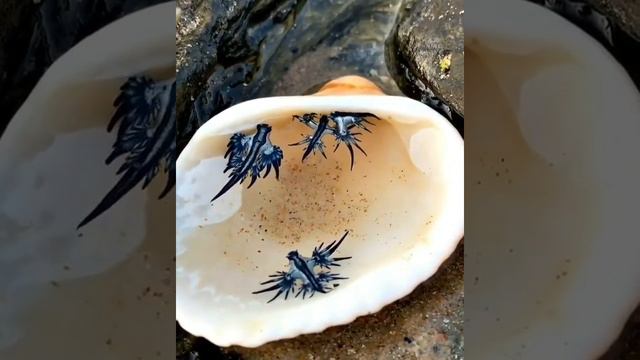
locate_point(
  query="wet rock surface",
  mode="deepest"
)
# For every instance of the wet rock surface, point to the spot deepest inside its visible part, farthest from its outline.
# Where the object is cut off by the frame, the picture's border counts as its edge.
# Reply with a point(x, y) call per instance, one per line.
point(428, 51)
point(624, 12)
point(202, 30)
point(232, 51)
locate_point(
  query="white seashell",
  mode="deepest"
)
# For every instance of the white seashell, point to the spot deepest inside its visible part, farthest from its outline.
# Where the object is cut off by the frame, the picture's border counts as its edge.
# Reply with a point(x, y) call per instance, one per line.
point(403, 205)
point(563, 114)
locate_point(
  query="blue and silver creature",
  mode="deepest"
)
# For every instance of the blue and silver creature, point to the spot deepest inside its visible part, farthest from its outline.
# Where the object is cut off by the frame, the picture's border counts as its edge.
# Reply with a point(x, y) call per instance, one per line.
point(338, 124)
point(146, 113)
point(307, 275)
point(251, 156)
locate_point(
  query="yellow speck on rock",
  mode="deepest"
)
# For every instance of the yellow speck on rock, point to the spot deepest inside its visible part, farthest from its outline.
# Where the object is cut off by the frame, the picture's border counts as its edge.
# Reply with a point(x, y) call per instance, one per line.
point(445, 64)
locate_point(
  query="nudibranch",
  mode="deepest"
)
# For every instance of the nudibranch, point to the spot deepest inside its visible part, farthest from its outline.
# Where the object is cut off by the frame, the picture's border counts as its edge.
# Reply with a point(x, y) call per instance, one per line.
point(253, 156)
point(146, 115)
point(340, 125)
point(307, 273)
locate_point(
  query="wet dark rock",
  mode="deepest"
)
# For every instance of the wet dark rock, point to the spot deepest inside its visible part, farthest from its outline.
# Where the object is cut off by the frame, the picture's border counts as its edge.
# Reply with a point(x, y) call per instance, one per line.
point(246, 49)
point(220, 47)
point(189, 347)
point(200, 28)
point(330, 41)
point(427, 50)
point(624, 12)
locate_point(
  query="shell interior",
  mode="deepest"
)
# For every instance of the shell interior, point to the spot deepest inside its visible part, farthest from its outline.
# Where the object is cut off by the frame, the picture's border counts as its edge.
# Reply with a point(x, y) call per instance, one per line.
point(402, 205)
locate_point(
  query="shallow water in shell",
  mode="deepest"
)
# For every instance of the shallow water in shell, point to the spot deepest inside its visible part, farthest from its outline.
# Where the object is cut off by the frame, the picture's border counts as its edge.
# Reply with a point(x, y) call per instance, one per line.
point(313, 202)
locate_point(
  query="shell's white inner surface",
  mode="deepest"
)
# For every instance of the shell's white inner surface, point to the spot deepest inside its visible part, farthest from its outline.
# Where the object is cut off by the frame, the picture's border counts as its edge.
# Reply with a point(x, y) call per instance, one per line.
point(547, 142)
point(313, 202)
point(389, 203)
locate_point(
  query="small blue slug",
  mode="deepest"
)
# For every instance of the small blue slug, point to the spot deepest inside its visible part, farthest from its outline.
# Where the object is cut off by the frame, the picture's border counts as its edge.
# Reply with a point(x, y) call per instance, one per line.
point(146, 111)
point(306, 274)
point(340, 125)
point(250, 156)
